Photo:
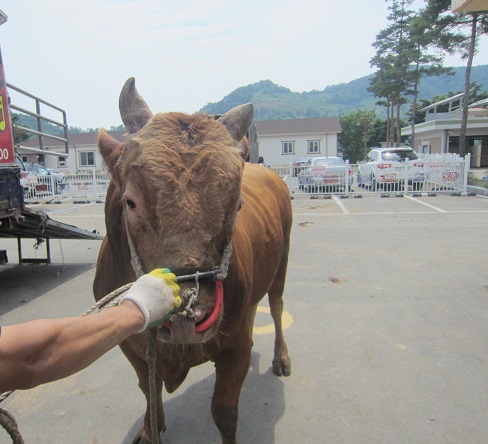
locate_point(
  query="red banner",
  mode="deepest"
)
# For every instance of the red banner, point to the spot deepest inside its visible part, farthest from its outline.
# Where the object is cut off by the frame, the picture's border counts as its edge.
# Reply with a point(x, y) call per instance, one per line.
point(6, 138)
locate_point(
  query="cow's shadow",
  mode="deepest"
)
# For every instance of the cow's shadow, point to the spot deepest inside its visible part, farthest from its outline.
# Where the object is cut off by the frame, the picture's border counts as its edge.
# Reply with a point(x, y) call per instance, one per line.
point(189, 420)
point(22, 284)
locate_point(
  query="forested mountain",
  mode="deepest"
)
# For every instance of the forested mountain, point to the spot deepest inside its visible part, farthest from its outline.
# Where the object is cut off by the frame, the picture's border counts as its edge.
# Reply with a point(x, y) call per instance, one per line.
point(273, 102)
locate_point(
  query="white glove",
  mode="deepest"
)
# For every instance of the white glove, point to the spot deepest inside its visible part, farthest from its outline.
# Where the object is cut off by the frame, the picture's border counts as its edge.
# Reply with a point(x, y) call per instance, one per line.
point(156, 294)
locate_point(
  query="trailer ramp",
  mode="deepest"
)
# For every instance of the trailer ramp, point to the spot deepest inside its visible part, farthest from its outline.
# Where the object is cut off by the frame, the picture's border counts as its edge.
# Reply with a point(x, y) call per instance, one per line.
point(38, 225)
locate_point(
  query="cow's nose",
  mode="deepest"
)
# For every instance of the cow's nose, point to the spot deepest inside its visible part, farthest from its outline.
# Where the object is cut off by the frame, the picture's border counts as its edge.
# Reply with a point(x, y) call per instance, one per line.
point(187, 267)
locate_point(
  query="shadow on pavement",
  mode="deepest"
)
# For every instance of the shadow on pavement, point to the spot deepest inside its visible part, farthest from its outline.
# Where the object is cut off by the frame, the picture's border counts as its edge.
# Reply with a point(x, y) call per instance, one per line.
point(189, 420)
point(21, 284)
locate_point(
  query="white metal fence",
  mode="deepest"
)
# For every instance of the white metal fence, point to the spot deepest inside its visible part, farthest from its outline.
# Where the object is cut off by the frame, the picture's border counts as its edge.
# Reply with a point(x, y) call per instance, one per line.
point(67, 186)
point(434, 173)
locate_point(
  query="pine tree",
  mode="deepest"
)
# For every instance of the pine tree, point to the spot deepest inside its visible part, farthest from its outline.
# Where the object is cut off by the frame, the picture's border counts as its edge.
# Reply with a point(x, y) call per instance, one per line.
point(458, 33)
point(403, 59)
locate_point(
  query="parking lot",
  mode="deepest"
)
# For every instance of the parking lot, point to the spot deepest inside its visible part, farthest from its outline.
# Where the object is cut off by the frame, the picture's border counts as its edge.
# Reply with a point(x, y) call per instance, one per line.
point(386, 322)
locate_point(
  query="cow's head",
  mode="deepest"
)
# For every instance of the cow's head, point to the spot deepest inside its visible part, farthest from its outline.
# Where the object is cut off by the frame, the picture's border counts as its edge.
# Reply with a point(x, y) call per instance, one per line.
point(179, 181)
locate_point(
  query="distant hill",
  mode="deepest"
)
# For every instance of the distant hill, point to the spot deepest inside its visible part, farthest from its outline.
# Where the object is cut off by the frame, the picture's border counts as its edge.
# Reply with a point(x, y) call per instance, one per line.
point(274, 102)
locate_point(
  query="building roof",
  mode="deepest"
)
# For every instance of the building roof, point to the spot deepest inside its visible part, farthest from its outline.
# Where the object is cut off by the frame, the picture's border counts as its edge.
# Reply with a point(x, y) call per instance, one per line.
point(442, 102)
point(298, 126)
point(265, 127)
point(74, 139)
point(478, 103)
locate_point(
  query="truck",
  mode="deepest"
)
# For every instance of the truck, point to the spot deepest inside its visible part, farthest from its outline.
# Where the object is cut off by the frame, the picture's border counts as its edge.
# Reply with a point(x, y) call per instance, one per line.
point(16, 219)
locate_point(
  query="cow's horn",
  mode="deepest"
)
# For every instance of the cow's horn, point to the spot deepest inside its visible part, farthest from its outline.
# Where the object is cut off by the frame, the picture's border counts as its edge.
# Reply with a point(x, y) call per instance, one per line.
point(133, 108)
point(238, 120)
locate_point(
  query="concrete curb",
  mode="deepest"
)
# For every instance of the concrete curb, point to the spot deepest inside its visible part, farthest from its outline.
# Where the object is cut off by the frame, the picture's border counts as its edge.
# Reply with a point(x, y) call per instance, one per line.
point(478, 190)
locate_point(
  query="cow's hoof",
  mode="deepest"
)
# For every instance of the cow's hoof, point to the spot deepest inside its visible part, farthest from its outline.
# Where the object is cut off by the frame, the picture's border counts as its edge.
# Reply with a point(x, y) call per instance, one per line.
point(282, 366)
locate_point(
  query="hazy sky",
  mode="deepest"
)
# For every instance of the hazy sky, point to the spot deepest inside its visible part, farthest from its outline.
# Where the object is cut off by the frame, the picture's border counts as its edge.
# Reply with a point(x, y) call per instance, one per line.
point(184, 53)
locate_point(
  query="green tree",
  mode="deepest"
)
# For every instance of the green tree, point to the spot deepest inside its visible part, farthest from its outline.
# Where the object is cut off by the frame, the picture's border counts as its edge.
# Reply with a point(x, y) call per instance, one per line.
point(19, 135)
point(354, 138)
point(458, 33)
point(403, 59)
point(423, 62)
point(391, 82)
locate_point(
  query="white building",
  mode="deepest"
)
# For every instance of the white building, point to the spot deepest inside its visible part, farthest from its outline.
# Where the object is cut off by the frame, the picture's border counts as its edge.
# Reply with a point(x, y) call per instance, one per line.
point(282, 141)
point(83, 152)
point(440, 131)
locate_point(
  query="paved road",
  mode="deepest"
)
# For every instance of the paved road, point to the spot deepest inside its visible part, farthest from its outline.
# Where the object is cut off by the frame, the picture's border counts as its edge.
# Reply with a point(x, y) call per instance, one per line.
point(387, 310)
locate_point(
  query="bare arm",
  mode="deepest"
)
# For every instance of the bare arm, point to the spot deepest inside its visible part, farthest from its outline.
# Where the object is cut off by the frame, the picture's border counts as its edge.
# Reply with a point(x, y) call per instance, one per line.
point(45, 350)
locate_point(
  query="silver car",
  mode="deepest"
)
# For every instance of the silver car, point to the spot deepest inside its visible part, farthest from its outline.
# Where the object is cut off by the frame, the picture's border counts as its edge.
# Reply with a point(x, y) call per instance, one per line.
point(325, 174)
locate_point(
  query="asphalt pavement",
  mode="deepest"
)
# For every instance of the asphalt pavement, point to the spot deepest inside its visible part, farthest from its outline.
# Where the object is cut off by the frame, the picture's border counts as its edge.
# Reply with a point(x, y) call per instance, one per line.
point(386, 322)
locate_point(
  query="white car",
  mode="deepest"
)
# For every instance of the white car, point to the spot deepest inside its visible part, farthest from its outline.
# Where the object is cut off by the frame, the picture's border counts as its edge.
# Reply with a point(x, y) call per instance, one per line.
point(384, 167)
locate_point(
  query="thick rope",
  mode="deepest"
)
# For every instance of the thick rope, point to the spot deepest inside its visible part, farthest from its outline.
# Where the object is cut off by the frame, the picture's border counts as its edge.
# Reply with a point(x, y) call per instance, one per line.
point(151, 356)
point(7, 421)
point(109, 300)
point(134, 257)
point(224, 263)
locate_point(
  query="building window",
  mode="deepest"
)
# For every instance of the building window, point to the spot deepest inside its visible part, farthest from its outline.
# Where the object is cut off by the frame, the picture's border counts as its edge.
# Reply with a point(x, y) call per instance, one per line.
point(61, 162)
point(313, 147)
point(87, 158)
point(288, 147)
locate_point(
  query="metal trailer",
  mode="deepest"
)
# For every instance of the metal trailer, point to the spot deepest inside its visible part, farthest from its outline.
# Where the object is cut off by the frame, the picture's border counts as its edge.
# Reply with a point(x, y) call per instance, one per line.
point(17, 221)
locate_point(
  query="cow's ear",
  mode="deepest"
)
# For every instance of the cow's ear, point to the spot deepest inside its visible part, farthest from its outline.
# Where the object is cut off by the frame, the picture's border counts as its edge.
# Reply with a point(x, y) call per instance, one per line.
point(110, 149)
point(238, 120)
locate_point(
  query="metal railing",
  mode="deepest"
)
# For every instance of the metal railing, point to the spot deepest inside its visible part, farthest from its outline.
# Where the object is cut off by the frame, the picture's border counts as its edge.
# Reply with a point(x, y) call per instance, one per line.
point(433, 173)
point(66, 187)
point(37, 115)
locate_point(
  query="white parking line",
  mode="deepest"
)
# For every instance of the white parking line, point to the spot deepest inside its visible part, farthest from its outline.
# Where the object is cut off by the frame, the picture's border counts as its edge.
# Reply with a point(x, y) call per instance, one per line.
point(388, 213)
point(70, 209)
point(340, 205)
point(440, 210)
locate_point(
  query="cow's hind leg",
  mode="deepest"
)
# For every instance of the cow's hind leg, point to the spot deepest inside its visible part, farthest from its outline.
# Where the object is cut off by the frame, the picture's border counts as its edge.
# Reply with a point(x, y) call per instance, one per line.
point(281, 360)
point(142, 370)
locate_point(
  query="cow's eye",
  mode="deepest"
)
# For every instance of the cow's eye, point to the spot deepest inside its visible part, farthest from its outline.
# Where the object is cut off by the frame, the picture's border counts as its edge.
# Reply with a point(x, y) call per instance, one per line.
point(131, 204)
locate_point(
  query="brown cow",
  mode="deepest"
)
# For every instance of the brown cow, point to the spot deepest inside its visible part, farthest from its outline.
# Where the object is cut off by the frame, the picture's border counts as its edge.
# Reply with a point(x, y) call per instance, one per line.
point(178, 185)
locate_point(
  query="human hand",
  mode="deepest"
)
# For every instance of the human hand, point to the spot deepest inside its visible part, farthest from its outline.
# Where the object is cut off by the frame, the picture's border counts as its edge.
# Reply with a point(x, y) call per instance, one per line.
point(156, 294)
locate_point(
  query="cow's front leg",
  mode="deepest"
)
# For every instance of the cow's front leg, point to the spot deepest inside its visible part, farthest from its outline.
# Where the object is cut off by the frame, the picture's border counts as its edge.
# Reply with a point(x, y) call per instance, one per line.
point(231, 369)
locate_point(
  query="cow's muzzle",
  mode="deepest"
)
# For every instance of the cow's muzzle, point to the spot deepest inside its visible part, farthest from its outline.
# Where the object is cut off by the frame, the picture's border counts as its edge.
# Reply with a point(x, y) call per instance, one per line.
point(191, 323)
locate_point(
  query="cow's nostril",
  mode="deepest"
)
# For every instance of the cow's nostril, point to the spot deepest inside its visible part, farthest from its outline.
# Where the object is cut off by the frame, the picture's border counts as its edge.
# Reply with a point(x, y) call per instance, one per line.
point(199, 313)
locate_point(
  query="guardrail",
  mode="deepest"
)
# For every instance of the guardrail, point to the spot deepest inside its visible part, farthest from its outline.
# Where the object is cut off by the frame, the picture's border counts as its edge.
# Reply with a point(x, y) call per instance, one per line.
point(69, 186)
point(433, 173)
